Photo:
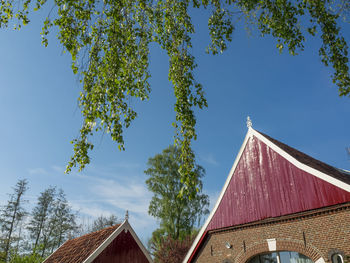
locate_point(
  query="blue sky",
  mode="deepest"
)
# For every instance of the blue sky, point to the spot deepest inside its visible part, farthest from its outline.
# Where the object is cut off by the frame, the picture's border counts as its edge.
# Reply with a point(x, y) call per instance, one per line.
point(290, 98)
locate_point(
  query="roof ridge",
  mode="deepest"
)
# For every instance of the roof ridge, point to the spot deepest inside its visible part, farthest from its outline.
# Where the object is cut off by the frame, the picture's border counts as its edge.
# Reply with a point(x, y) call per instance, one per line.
point(310, 161)
point(97, 231)
point(76, 250)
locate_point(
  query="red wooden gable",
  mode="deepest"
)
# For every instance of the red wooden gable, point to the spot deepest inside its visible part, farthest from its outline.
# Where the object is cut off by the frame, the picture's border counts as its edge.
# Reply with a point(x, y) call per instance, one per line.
point(118, 243)
point(271, 179)
point(264, 185)
point(122, 249)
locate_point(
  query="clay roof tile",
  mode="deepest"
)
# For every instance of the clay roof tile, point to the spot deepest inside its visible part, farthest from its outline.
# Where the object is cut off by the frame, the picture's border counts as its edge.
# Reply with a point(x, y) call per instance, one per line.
point(79, 249)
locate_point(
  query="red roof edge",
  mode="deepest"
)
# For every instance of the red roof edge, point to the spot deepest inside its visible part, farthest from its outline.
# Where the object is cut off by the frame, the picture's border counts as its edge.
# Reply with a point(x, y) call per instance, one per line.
point(197, 246)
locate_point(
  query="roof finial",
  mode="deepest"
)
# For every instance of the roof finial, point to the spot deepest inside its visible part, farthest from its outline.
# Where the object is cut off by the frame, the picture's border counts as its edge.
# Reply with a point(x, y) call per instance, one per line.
point(249, 123)
point(127, 215)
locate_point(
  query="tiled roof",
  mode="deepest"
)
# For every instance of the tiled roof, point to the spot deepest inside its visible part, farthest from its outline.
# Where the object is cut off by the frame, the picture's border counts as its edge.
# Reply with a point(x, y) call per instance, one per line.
point(310, 161)
point(79, 249)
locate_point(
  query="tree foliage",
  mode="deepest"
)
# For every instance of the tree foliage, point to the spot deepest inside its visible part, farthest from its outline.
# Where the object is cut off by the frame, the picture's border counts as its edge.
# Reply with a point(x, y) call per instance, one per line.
point(109, 44)
point(30, 237)
point(52, 222)
point(103, 222)
point(62, 223)
point(34, 258)
point(40, 217)
point(178, 215)
point(172, 250)
point(11, 216)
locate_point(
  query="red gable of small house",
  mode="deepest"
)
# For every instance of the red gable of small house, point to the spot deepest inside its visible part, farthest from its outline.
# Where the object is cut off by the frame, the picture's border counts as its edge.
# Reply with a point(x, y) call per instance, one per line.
point(123, 248)
point(118, 243)
point(270, 179)
point(80, 248)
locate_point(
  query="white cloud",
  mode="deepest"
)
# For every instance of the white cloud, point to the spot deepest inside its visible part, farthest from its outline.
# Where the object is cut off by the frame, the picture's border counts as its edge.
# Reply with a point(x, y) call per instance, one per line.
point(39, 171)
point(58, 169)
point(126, 165)
point(115, 170)
point(88, 209)
point(124, 194)
point(209, 158)
point(107, 190)
point(115, 196)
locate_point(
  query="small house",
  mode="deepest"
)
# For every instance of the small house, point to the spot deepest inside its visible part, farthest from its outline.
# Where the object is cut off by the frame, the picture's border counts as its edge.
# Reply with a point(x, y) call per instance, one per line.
point(113, 244)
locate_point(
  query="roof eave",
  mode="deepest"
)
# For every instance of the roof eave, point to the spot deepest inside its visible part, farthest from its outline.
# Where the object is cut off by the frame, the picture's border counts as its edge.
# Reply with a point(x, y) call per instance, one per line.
point(54, 251)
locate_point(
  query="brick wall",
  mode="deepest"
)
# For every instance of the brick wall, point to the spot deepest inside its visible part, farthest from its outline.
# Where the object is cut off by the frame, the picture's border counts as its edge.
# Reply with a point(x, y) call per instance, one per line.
point(315, 234)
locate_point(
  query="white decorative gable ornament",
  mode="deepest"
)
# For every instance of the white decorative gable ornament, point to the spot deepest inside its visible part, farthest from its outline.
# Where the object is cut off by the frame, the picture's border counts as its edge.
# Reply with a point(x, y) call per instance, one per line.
point(249, 123)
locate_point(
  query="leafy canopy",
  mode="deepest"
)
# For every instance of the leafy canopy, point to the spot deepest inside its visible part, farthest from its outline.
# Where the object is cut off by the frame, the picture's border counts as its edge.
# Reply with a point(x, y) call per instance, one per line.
point(178, 216)
point(109, 44)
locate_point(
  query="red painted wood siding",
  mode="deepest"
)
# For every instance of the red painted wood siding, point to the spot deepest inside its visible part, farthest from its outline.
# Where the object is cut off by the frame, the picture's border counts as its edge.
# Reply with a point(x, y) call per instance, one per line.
point(123, 249)
point(266, 185)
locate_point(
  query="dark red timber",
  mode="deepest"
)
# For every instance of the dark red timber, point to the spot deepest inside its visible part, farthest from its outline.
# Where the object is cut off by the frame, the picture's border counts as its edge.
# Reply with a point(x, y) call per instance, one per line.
point(122, 249)
point(77, 250)
point(265, 185)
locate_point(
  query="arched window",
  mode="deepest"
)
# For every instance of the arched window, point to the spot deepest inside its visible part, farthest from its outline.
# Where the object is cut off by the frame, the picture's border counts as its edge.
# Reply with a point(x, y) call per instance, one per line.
point(282, 257)
point(337, 258)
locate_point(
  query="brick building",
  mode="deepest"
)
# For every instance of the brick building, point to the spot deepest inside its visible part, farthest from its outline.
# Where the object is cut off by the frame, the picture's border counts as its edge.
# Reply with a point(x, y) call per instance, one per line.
point(278, 205)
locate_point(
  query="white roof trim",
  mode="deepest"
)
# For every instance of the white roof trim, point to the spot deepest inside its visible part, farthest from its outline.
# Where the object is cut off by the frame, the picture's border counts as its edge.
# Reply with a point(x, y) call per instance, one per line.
point(105, 243)
point(124, 226)
point(201, 232)
point(251, 132)
point(304, 167)
point(138, 241)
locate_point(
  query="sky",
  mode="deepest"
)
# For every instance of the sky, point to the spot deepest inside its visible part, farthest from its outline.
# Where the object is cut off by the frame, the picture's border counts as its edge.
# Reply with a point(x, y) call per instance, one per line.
point(290, 98)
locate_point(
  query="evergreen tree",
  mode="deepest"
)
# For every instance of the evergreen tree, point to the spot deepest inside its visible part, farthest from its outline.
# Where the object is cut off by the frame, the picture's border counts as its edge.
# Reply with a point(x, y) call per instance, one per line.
point(40, 218)
point(11, 216)
point(51, 223)
point(62, 221)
